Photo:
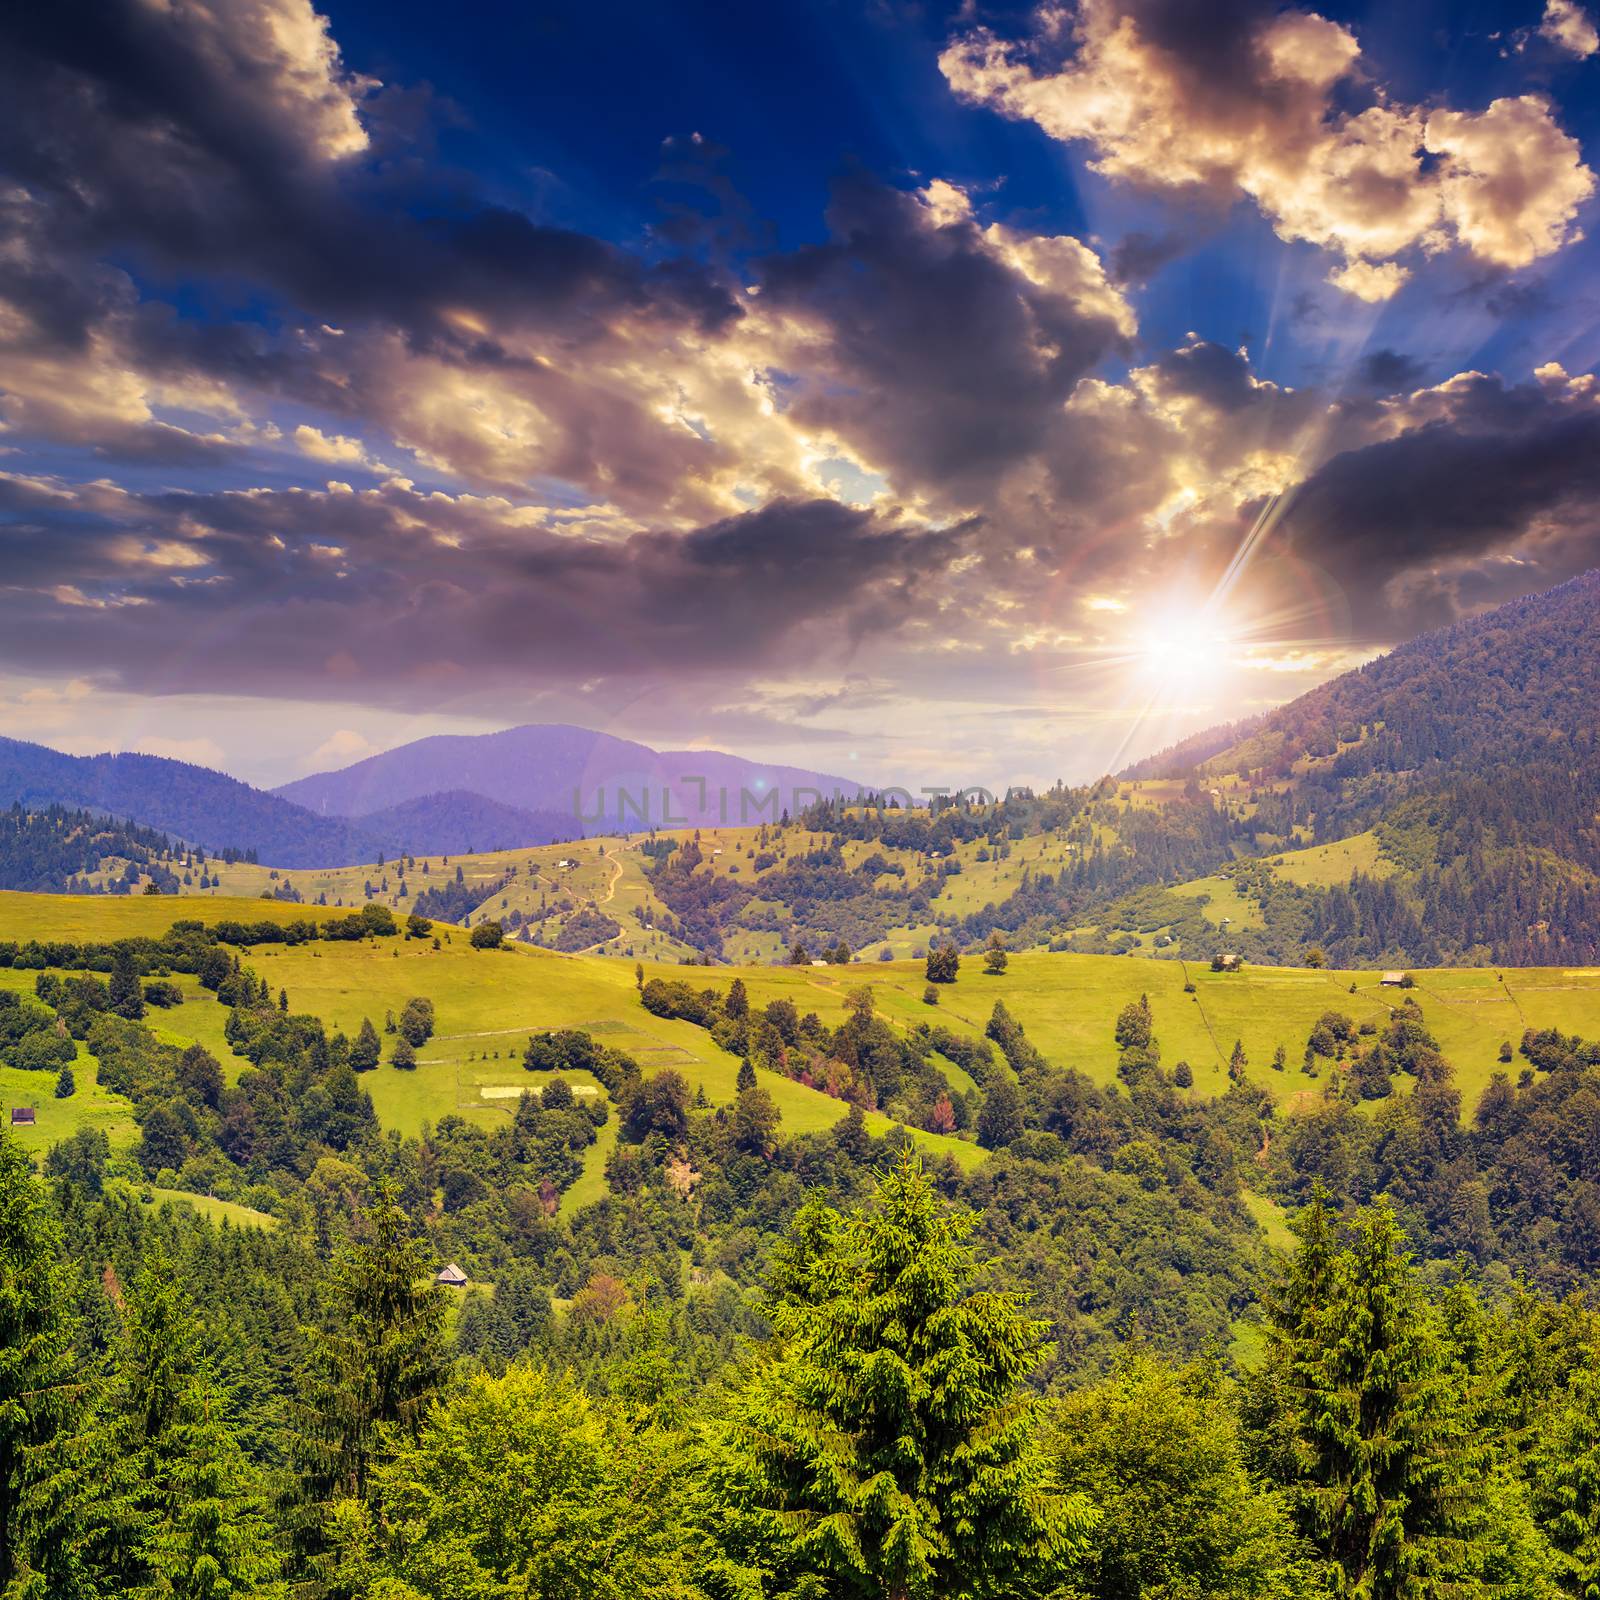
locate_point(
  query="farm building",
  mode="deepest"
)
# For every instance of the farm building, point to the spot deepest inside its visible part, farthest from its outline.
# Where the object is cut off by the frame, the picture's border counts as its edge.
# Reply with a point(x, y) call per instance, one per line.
point(1393, 980)
point(452, 1277)
point(22, 1117)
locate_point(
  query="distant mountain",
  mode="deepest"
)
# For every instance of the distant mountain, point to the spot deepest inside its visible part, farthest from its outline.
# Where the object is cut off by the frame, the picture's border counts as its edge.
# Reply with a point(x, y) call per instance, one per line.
point(459, 822)
point(191, 803)
point(605, 782)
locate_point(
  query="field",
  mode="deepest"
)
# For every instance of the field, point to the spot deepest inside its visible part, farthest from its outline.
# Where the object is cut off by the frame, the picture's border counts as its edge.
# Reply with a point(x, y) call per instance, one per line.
point(488, 1003)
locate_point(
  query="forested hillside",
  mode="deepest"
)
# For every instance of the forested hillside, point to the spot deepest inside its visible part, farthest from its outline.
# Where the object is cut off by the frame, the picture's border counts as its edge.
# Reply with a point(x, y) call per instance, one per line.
point(56, 851)
point(1467, 762)
point(191, 803)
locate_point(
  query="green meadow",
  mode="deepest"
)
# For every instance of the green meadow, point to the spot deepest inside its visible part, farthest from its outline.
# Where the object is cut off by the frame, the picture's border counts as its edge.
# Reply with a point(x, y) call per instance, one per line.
point(489, 1002)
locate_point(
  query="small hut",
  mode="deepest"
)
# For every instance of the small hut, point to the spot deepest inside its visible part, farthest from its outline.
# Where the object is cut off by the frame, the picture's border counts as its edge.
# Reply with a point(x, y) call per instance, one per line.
point(1393, 980)
point(452, 1277)
point(22, 1117)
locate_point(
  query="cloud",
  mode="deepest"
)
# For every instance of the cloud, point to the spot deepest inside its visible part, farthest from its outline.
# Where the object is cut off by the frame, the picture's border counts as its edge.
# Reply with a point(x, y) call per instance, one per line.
point(328, 447)
point(342, 747)
point(938, 347)
point(1567, 26)
point(398, 596)
point(1473, 491)
point(1245, 100)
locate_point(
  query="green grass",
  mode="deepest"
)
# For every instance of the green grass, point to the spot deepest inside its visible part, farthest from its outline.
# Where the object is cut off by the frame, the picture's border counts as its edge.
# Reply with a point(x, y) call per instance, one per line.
point(591, 1186)
point(1326, 864)
point(1273, 1218)
point(90, 1107)
point(212, 1209)
point(1223, 902)
point(103, 918)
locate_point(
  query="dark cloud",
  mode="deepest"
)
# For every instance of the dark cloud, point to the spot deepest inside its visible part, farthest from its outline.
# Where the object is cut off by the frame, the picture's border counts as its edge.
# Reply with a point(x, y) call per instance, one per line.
point(387, 595)
point(228, 138)
point(1218, 377)
point(1496, 494)
point(940, 356)
point(1389, 371)
point(1139, 256)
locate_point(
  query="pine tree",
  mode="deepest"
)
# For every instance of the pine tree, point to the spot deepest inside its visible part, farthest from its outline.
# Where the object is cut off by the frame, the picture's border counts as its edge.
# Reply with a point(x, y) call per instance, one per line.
point(127, 998)
point(367, 1050)
point(747, 1076)
point(889, 1438)
point(1388, 1471)
point(205, 1532)
point(375, 1365)
point(1237, 1062)
point(64, 1528)
point(1566, 1496)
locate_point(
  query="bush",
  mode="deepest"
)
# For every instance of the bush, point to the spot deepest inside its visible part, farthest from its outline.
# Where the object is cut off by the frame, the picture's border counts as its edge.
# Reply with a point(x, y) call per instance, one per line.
point(488, 936)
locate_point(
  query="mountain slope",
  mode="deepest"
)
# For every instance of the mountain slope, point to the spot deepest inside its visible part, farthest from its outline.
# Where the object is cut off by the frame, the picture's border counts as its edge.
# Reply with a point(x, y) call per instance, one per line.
point(193, 803)
point(1473, 754)
point(459, 822)
point(552, 767)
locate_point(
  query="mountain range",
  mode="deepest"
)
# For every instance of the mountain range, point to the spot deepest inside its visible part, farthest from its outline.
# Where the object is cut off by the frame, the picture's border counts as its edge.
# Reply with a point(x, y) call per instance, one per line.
point(444, 795)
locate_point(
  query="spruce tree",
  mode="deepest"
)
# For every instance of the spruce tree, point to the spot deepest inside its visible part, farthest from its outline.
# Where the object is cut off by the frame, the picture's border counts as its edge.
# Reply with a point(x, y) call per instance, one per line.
point(1388, 1471)
point(373, 1366)
point(127, 998)
point(204, 1528)
point(1567, 1483)
point(367, 1049)
point(889, 1438)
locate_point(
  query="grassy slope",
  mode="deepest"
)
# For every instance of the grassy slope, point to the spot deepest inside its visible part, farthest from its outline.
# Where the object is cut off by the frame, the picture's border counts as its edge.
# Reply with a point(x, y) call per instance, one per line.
point(1326, 864)
point(488, 1003)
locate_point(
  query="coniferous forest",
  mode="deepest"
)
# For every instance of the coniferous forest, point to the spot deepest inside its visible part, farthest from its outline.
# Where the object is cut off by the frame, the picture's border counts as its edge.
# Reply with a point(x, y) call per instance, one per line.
point(188, 1410)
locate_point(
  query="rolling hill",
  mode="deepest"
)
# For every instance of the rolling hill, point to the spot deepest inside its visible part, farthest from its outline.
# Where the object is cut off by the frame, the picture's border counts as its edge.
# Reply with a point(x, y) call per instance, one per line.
point(608, 784)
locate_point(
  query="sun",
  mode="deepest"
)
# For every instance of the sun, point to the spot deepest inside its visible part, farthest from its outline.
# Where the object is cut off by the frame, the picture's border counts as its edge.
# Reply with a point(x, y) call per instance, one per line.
point(1180, 650)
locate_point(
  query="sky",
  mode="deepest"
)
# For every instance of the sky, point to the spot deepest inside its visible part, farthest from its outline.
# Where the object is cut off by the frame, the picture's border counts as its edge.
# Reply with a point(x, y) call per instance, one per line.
point(935, 394)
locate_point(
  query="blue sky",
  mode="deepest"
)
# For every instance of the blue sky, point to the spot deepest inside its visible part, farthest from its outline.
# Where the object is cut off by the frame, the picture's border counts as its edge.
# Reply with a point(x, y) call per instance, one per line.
point(982, 393)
